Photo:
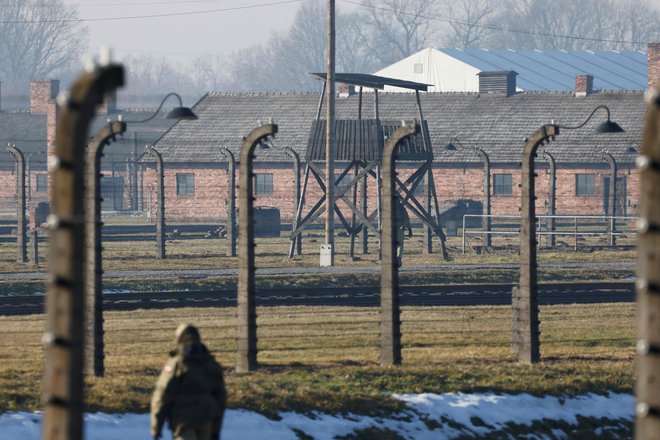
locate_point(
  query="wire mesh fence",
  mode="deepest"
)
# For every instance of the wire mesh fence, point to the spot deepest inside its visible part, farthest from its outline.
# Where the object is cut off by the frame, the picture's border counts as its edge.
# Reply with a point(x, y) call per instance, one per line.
point(328, 335)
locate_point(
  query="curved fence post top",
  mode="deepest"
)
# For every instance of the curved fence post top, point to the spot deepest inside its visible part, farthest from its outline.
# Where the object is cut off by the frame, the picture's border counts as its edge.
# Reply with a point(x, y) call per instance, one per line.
point(14, 151)
point(606, 156)
point(106, 134)
point(225, 151)
point(255, 136)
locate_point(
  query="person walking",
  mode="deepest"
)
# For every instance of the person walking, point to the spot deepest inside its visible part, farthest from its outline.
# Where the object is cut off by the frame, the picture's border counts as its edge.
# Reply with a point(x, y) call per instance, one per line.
point(190, 392)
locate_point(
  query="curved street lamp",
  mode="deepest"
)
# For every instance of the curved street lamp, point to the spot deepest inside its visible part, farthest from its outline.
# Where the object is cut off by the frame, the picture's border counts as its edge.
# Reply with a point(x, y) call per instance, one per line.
point(525, 295)
point(486, 222)
point(179, 112)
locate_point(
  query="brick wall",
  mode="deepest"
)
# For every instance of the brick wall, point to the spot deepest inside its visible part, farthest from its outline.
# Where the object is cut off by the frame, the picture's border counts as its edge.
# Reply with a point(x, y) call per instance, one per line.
point(654, 63)
point(41, 93)
point(209, 202)
point(51, 130)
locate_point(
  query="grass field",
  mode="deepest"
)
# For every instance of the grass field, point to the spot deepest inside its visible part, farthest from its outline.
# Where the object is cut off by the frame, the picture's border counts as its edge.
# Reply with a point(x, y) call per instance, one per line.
point(325, 358)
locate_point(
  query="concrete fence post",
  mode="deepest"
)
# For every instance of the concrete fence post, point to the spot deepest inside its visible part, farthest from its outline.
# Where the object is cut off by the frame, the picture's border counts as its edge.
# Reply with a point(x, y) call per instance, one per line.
point(552, 199)
point(21, 222)
point(34, 247)
point(297, 240)
point(65, 302)
point(390, 314)
point(160, 204)
point(231, 201)
point(486, 209)
point(647, 424)
point(525, 295)
point(94, 340)
point(611, 209)
point(246, 337)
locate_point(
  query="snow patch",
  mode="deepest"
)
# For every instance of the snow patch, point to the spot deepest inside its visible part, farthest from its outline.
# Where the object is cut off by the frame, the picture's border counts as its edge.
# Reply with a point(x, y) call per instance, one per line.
point(428, 416)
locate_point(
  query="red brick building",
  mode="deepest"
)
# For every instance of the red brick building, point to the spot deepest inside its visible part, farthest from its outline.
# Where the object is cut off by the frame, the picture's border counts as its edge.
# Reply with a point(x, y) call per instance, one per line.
point(33, 132)
point(195, 169)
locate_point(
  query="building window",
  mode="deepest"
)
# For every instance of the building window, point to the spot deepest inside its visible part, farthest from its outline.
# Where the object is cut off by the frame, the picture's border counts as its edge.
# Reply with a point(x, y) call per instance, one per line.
point(185, 184)
point(42, 183)
point(585, 184)
point(418, 68)
point(502, 184)
point(263, 184)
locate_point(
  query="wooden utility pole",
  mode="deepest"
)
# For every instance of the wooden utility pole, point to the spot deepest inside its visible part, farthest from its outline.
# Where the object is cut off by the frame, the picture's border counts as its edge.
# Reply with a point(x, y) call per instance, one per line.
point(327, 250)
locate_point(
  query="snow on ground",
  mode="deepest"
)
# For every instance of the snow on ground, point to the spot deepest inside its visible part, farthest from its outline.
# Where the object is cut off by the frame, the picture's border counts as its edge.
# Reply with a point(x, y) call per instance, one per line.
point(426, 418)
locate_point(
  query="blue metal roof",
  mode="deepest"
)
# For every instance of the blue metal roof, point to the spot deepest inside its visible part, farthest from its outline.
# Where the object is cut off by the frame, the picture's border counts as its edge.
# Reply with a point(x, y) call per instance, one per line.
point(556, 70)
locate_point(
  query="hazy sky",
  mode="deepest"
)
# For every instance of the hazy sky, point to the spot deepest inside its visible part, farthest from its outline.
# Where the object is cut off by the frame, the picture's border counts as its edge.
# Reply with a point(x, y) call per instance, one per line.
point(217, 29)
point(183, 37)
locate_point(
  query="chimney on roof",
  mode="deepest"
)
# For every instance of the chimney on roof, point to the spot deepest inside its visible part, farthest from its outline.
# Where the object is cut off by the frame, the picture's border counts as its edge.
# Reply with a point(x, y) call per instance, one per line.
point(41, 94)
point(654, 63)
point(344, 90)
point(500, 82)
point(584, 85)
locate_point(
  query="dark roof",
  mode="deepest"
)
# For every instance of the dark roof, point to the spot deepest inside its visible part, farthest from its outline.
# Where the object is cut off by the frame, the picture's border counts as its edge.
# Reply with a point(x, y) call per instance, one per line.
point(497, 124)
point(367, 146)
point(28, 133)
point(373, 81)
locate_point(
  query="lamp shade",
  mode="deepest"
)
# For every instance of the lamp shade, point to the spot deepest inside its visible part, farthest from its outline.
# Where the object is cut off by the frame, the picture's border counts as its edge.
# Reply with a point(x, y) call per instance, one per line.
point(608, 127)
point(181, 113)
point(450, 147)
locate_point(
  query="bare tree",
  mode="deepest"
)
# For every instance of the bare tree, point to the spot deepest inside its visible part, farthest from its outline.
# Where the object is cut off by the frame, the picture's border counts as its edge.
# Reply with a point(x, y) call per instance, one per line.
point(284, 62)
point(40, 38)
point(572, 25)
point(394, 29)
point(469, 20)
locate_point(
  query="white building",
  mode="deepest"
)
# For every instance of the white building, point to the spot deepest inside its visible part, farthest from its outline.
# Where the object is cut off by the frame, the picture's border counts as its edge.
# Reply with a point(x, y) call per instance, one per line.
point(456, 70)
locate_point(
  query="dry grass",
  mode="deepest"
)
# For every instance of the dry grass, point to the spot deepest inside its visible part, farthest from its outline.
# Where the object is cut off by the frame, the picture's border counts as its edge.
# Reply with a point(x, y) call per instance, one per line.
point(325, 358)
point(273, 252)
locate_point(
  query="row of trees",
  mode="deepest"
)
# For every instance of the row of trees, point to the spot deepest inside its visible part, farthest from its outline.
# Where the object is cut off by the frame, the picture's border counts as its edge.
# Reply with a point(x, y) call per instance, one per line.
point(370, 35)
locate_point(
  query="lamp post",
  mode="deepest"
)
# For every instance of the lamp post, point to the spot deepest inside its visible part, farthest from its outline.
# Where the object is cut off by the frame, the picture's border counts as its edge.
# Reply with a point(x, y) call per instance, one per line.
point(486, 222)
point(525, 295)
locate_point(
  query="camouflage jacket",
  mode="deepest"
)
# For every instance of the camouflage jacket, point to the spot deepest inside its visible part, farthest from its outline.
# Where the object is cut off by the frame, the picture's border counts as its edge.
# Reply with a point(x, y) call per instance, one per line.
point(190, 391)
